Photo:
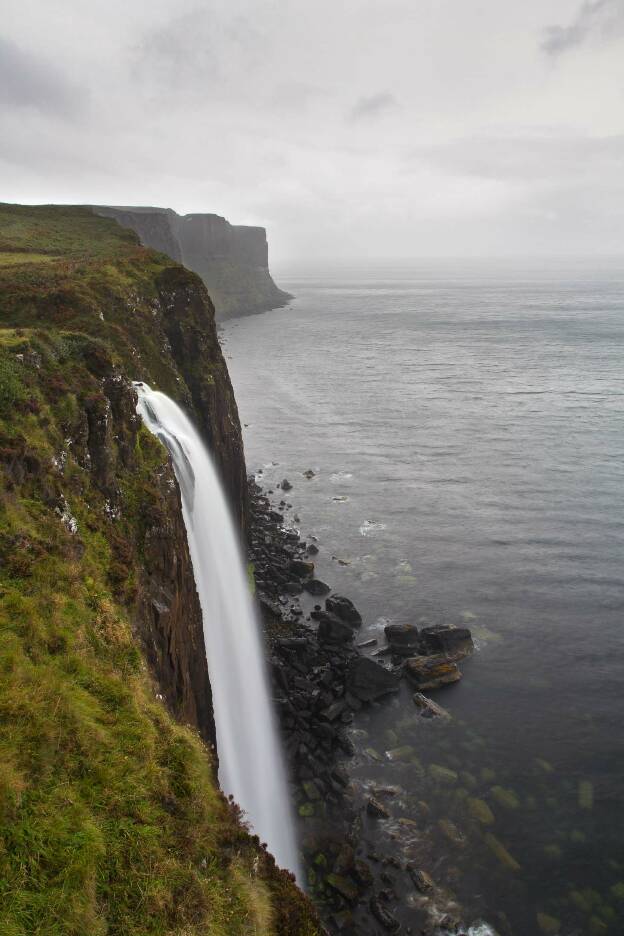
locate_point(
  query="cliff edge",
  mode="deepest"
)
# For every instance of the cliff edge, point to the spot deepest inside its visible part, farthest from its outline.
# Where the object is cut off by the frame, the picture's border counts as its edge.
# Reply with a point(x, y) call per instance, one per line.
point(111, 820)
point(232, 260)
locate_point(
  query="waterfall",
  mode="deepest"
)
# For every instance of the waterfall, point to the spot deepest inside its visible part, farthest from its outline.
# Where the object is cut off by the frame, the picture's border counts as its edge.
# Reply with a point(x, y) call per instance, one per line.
point(250, 759)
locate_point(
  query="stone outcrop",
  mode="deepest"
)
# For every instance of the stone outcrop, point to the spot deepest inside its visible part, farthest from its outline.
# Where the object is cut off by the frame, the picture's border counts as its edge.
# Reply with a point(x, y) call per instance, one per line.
point(232, 260)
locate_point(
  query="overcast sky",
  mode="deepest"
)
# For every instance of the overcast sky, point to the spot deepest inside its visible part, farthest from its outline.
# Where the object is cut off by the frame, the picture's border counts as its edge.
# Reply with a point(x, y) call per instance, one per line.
point(349, 128)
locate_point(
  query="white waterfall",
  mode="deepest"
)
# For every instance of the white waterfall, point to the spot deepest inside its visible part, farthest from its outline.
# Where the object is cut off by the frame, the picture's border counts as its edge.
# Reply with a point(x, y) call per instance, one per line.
point(250, 759)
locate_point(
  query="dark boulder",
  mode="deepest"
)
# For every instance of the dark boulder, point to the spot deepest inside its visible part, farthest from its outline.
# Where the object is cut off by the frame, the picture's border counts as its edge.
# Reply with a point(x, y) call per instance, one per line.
point(316, 587)
point(301, 567)
point(402, 638)
point(344, 609)
point(367, 680)
point(454, 642)
point(332, 630)
point(286, 485)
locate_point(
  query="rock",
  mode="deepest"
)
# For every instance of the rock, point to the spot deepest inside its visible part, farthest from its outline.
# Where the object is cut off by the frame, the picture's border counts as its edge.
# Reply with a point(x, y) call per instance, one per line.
point(480, 811)
point(403, 753)
point(421, 879)
point(312, 549)
point(367, 680)
point(548, 925)
point(344, 609)
point(442, 774)
point(332, 630)
point(316, 587)
point(428, 708)
point(402, 638)
point(311, 790)
point(431, 672)
point(451, 832)
point(501, 852)
point(301, 567)
point(365, 644)
point(383, 916)
point(376, 809)
point(308, 474)
point(286, 485)
point(443, 639)
point(343, 886)
point(292, 588)
point(505, 797)
point(335, 710)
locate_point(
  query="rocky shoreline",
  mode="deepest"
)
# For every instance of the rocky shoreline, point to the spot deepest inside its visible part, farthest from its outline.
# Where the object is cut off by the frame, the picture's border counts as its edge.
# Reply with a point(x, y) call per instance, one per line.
point(325, 683)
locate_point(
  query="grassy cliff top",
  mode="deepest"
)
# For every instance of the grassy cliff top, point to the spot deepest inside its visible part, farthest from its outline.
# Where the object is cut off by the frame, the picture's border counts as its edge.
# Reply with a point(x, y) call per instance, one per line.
point(34, 233)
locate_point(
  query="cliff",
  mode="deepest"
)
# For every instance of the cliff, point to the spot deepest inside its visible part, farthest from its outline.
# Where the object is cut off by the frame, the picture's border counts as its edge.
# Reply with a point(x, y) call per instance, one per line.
point(232, 260)
point(110, 817)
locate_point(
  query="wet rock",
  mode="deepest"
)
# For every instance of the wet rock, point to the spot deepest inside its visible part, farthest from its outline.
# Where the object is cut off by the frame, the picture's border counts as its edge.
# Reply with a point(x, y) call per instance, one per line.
point(428, 708)
point(383, 916)
point(421, 879)
point(453, 642)
point(286, 485)
point(402, 638)
point(312, 549)
point(344, 609)
point(308, 474)
point(344, 886)
point(451, 832)
point(316, 587)
point(431, 672)
point(332, 630)
point(376, 809)
point(367, 680)
point(365, 644)
point(301, 567)
point(293, 587)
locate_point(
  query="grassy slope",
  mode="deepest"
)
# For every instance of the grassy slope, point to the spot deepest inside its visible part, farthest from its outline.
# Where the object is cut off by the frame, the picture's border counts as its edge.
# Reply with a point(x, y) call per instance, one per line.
point(110, 820)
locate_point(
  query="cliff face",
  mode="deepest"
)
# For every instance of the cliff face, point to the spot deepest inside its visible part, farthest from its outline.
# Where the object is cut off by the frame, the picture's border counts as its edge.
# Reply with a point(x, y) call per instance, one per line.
point(99, 614)
point(232, 260)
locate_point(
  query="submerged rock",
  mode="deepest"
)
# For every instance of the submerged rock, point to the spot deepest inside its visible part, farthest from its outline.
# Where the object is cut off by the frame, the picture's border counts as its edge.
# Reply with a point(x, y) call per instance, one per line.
point(383, 916)
point(428, 708)
point(425, 672)
point(422, 881)
point(286, 485)
point(367, 680)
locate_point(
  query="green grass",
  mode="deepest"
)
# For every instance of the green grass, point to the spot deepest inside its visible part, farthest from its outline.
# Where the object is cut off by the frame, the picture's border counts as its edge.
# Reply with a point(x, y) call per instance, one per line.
point(63, 231)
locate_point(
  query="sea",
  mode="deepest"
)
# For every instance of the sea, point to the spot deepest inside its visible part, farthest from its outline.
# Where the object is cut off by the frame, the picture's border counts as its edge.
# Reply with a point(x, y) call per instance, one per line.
point(464, 423)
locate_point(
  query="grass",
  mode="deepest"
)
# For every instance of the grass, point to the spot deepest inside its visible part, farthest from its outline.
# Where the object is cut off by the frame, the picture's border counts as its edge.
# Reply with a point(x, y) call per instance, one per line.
point(111, 821)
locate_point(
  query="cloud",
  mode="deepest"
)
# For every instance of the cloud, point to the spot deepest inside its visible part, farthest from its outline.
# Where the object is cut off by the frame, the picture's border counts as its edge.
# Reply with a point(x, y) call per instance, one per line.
point(368, 108)
point(546, 158)
point(595, 19)
point(28, 82)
